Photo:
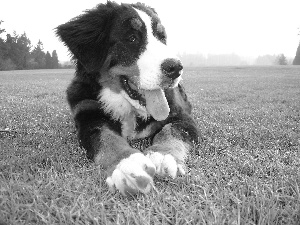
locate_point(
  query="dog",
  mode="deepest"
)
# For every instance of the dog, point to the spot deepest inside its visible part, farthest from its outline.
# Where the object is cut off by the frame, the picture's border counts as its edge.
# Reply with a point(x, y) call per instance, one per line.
point(127, 87)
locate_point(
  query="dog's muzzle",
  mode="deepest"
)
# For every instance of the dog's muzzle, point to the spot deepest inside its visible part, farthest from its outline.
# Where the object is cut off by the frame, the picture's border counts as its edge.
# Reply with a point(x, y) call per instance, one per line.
point(171, 68)
point(154, 98)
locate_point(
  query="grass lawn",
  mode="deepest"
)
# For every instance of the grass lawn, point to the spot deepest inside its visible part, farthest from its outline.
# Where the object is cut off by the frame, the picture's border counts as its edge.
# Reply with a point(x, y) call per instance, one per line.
point(246, 171)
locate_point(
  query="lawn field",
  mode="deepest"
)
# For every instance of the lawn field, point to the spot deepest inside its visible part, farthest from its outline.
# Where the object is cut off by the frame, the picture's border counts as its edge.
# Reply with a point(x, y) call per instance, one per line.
point(246, 170)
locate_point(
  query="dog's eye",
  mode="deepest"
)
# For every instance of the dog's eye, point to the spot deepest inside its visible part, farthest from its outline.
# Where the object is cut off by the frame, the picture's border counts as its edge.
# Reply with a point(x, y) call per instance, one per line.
point(132, 38)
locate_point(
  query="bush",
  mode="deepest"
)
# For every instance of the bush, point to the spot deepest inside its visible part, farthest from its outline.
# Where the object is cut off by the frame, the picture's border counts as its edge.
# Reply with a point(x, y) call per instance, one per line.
point(281, 60)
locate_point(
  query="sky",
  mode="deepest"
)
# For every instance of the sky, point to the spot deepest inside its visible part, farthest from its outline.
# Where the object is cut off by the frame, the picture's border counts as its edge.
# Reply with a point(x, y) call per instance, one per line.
point(246, 28)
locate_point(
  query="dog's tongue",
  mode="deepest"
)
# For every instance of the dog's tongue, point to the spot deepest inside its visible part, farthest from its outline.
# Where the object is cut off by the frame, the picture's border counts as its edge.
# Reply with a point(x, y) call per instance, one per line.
point(156, 104)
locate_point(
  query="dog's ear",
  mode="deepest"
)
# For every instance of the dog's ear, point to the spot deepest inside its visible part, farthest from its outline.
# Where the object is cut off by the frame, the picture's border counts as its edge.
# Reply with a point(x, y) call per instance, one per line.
point(87, 36)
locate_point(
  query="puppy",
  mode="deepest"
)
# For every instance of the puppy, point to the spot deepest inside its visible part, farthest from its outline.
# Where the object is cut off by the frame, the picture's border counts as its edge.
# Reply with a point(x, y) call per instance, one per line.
point(126, 89)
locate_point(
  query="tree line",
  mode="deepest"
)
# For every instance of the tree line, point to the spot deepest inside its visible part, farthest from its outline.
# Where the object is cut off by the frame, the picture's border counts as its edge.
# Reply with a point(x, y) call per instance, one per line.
point(17, 53)
point(280, 59)
point(194, 60)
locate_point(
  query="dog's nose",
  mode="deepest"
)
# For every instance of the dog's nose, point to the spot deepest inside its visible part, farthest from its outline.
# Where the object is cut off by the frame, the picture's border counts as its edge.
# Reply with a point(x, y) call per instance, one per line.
point(171, 68)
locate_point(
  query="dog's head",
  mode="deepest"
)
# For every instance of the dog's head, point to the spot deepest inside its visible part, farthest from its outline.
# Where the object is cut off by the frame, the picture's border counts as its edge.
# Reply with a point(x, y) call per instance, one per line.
point(127, 45)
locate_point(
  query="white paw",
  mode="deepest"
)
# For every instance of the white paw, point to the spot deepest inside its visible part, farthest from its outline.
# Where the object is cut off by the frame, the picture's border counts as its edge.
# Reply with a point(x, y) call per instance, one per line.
point(132, 174)
point(166, 165)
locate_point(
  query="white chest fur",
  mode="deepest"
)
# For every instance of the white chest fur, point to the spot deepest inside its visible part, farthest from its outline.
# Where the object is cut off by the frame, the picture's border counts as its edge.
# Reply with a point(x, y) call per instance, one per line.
point(124, 109)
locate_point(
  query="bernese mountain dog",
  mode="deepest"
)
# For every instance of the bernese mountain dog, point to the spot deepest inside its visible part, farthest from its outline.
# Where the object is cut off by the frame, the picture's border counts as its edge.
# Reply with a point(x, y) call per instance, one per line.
point(127, 89)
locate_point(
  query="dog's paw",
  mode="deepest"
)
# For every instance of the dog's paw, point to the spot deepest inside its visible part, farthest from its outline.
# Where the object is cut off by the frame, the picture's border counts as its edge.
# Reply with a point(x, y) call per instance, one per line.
point(132, 175)
point(166, 165)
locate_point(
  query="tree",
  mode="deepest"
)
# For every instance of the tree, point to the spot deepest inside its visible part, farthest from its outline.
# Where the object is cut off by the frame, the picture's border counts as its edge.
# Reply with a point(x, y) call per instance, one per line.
point(5, 62)
point(11, 48)
point(1, 30)
point(54, 57)
point(297, 57)
point(48, 60)
point(2, 47)
point(296, 60)
point(17, 49)
point(281, 60)
point(38, 56)
point(24, 47)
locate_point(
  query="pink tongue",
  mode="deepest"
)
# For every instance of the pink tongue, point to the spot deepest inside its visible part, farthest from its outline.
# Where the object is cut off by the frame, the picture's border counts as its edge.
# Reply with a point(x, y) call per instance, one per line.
point(156, 104)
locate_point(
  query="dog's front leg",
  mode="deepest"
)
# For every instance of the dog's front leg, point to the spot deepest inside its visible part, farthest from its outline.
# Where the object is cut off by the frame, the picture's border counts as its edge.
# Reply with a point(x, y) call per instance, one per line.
point(171, 147)
point(128, 170)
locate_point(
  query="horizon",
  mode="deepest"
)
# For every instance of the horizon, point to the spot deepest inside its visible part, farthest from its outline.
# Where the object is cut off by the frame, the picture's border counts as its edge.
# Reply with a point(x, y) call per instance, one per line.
point(247, 29)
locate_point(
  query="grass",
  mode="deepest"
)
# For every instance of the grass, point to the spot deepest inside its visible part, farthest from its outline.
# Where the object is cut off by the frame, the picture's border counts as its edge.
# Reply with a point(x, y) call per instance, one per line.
point(247, 168)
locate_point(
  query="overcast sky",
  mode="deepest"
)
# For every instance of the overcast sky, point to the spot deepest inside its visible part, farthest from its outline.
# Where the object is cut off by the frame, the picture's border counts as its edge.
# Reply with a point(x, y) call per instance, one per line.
point(247, 28)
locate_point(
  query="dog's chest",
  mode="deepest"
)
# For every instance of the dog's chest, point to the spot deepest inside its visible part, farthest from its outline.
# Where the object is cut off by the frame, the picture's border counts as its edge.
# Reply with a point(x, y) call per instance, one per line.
point(134, 119)
point(133, 129)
